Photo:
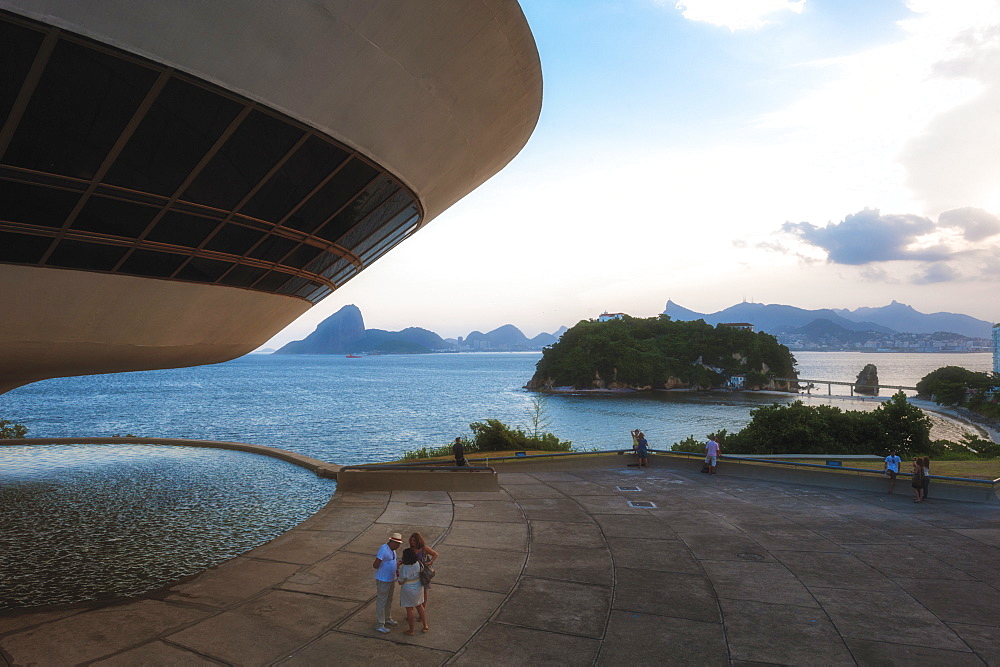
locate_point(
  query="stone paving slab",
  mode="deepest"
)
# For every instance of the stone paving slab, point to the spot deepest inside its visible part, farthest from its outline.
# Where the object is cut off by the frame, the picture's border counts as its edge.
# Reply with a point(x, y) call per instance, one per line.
point(641, 639)
point(263, 629)
point(500, 644)
point(553, 570)
point(668, 594)
point(488, 510)
point(157, 653)
point(558, 606)
point(758, 581)
point(478, 568)
point(782, 634)
point(99, 633)
point(343, 648)
point(231, 582)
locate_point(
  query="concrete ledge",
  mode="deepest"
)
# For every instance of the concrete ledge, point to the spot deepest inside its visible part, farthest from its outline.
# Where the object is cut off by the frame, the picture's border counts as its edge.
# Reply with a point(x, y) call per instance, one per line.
point(320, 468)
point(360, 481)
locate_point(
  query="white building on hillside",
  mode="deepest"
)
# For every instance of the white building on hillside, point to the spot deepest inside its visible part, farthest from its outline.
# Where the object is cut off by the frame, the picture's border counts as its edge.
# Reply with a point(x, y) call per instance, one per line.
point(606, 317)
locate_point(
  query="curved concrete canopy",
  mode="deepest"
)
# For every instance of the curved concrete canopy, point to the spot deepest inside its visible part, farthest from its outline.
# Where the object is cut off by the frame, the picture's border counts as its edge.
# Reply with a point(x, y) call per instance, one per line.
point(441, 93)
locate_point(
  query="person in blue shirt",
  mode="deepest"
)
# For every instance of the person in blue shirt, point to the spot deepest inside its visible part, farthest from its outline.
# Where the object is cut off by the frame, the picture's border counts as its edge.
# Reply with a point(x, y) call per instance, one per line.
point(385, 566)
point(891, 469)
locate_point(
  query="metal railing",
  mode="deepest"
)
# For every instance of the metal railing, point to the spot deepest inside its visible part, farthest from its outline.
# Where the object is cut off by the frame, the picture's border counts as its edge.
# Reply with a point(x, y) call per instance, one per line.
point(798, 464)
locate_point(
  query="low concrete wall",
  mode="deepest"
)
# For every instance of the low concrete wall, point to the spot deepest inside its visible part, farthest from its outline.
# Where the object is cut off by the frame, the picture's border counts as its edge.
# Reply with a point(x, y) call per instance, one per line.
point(357, 480)
point(320, 468)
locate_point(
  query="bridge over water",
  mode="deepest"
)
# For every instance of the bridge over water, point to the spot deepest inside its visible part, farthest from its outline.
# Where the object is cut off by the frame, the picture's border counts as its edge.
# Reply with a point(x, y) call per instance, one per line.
point(829, 385)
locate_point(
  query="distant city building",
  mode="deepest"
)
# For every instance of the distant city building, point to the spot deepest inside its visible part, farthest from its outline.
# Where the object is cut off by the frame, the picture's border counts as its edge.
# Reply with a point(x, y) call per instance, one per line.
point(179, 181)
point(996, 348)
point(607, 317)
point(742, 326)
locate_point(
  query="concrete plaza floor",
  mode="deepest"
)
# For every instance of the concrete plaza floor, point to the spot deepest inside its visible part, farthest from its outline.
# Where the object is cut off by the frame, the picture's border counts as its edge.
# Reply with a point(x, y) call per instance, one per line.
point(557, 568)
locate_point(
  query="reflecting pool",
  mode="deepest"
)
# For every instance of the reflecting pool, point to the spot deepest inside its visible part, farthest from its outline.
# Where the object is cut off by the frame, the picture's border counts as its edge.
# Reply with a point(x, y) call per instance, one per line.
point(83, 522)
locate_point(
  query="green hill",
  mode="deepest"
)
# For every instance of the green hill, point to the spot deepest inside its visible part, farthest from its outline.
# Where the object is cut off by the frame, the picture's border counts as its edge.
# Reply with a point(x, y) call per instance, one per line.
point(658, 353)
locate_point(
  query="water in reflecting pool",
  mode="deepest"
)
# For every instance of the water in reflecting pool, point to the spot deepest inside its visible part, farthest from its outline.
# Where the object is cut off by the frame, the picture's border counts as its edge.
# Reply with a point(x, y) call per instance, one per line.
point(92, 521)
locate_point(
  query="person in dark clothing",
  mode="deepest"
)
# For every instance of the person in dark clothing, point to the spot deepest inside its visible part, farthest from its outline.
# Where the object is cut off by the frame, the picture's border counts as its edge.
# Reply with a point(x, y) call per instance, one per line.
point(459, 451)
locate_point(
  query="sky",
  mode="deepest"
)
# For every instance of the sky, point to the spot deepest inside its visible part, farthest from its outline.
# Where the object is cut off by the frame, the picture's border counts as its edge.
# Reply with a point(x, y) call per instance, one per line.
point(815, 153)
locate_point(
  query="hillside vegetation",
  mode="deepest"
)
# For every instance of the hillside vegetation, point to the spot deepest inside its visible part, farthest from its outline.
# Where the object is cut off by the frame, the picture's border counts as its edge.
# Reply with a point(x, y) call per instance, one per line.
point(657, 353)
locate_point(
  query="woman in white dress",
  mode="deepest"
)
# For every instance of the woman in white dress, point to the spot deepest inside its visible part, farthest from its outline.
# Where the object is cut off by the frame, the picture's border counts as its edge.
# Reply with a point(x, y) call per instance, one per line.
point(411, 592)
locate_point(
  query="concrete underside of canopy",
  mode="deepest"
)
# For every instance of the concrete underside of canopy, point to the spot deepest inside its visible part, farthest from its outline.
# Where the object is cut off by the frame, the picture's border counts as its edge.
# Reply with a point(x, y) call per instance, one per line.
point(442, 94)
point(61, 322)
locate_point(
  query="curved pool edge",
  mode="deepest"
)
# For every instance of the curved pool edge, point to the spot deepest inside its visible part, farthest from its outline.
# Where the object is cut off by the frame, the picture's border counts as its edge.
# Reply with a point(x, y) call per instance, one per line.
point(320, 468)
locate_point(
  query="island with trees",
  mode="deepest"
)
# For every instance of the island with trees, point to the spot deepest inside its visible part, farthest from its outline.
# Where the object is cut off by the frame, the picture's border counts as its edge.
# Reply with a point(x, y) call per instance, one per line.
point(658, 353)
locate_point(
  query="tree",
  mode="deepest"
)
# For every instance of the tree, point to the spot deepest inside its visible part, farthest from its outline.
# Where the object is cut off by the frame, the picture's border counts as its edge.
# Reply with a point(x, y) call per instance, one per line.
point(538, 419)
point(10, 430)
point(948, 385)
point(802, 429)
point(903, 426)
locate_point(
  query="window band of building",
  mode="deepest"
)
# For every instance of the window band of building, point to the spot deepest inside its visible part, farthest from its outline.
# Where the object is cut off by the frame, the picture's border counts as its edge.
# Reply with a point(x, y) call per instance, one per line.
point(116, 164)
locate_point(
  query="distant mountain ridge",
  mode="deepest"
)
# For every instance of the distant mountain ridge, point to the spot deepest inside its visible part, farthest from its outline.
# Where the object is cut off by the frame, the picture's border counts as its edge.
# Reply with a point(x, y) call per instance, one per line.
point(905, 318)
point(893, 318)
point(344, 332)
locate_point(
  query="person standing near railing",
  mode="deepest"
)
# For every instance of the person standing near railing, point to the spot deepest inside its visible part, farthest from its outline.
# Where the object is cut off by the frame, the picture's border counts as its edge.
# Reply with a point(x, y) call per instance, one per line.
point(891, 469)
point(459, 451)
point(713, 450)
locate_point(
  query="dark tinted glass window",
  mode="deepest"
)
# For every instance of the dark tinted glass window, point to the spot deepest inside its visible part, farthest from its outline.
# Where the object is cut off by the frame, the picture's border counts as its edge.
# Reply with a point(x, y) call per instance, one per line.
point(374, 221)
point(203, 270)
point(385, 245)
point(112, 216)
point(81, 255)
point(242, 276)
point(149, 263)
point(314, 160)
point(35, 205)
point(336, 268)
point(256, 146)
point(22, 248)
point(293, 286)
point(17, 51)
point(369, 200)
point(399, 223)
point(351, 179)
point(321, 263)
point(273, 248)
point(302, 256)
point(181, 229)
point(234, 239)
point(83, 102)
point(272, 281)
point(173, 137)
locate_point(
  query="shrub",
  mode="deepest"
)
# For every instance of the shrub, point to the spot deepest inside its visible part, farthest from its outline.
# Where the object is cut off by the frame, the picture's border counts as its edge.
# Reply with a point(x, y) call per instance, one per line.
point(10, 430)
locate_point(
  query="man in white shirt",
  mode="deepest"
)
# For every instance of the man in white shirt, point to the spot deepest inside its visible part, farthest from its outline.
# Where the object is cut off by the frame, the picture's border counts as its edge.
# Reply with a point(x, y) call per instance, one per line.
point(712, 453)
point(891, 469)
point(385, 581)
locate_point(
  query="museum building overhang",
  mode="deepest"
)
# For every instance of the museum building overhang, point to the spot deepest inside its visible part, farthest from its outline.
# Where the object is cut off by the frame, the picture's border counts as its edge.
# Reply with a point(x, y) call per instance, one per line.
point(164, 202)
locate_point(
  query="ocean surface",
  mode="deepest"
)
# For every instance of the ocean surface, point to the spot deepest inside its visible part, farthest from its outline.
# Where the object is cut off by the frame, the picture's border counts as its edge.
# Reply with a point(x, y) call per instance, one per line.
point(134, 518)
point(374, 408)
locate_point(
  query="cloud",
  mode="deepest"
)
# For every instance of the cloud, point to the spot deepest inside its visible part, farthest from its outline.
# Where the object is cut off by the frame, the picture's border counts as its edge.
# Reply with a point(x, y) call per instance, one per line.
point(868, 236)
point(953, 159)
point(939, 272)
point(876, 274)
point(736, 14)
point(975, 223)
